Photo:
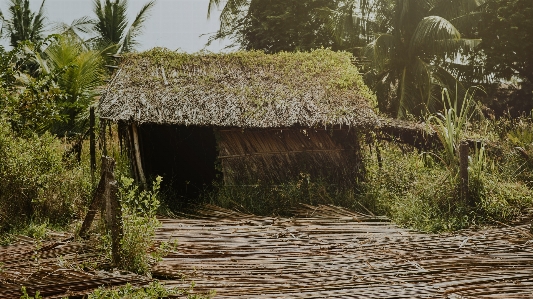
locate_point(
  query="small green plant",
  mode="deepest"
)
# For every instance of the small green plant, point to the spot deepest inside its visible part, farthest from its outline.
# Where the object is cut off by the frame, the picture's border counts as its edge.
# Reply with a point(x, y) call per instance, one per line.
point(154, 290)
point(139, 223)
point(451, 126)
point(26, 296)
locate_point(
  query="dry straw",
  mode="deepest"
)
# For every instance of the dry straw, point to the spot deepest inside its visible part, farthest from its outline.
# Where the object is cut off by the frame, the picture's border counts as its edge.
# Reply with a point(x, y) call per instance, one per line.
point(321, 88)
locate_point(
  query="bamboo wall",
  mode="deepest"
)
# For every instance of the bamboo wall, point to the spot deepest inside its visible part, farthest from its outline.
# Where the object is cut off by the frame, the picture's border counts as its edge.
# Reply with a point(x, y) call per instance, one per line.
point(276, 156)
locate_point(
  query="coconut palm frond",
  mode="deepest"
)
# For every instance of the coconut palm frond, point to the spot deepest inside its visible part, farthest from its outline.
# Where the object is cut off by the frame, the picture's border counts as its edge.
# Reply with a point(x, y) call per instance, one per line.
point(434, 35)
point(136, 27)
point(22, 24)
point(380, 51)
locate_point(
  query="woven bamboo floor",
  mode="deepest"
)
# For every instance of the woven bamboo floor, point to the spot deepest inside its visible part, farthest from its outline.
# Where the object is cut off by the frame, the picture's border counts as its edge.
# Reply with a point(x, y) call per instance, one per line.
point(56, 269)
point(328, 252)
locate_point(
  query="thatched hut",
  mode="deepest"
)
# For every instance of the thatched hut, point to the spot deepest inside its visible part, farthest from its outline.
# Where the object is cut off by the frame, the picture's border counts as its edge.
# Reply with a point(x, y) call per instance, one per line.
point(241, 118)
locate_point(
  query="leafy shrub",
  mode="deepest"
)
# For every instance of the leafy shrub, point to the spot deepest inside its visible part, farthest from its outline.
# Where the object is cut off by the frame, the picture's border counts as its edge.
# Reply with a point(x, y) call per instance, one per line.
point(140, 223)
point(415, 190)
point(36, 184)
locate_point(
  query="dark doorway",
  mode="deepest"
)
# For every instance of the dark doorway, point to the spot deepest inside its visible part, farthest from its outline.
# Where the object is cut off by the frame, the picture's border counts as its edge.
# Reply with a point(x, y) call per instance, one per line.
point(185, 156)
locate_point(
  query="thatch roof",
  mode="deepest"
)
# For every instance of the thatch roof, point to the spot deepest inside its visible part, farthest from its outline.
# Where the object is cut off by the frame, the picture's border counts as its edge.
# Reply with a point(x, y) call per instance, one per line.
point(242, 89)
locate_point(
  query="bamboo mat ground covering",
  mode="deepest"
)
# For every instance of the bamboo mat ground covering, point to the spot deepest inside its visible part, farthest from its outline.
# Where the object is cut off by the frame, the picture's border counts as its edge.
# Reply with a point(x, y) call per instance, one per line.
point(321, 252)
point(56, 269)
point(328, 252)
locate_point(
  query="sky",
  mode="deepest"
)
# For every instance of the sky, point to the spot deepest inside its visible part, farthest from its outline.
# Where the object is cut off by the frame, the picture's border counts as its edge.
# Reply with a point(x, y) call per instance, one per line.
point(174, 24)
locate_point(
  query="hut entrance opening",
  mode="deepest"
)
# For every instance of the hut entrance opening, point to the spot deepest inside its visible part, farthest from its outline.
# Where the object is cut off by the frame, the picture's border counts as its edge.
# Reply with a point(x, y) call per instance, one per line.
point(184, 156)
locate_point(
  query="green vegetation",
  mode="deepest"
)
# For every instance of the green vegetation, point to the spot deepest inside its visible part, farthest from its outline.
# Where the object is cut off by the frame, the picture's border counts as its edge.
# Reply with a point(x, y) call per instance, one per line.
point(417, 56)
point(154, 290)
point(37, 185)
point(111, 24)
point(280, 200)
point(139, 223)
point(277, 25)
point(298, 70)
point(22, 24)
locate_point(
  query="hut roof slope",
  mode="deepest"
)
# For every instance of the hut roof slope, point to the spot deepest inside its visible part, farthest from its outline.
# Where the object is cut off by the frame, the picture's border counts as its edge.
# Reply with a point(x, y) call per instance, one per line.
point(241, 89)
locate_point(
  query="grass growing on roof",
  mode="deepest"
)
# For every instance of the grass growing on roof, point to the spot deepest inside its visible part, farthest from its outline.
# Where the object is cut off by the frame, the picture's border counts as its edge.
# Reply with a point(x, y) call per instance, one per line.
point(249, 89)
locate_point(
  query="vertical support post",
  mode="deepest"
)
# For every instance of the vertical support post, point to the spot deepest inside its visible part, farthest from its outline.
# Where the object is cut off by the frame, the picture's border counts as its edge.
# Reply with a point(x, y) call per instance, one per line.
point(92, 146)
point(103, 143)
point(137, 153)
point(113, 212)
point(463, 172)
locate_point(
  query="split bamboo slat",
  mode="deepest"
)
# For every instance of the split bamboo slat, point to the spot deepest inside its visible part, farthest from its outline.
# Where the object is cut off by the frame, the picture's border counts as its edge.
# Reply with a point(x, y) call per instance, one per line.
point(55, 269)
point(321, 252)
point(329, 252)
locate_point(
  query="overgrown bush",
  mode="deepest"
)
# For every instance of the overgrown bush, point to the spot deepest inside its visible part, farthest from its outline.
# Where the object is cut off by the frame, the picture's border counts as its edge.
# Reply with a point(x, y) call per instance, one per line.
point(140, 223)
point(36, 184)
point(415, 190)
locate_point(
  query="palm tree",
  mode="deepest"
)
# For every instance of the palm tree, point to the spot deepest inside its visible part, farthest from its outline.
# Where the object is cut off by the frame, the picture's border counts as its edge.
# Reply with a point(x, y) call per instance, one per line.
point(408, 62)
point(23, 24)
point(80, 73)
point(111, 24)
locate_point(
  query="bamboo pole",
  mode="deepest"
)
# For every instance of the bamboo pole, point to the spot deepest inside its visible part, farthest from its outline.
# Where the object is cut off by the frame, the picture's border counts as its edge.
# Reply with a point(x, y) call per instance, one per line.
point(463, 165)
point(92, 146)
point(137, 153)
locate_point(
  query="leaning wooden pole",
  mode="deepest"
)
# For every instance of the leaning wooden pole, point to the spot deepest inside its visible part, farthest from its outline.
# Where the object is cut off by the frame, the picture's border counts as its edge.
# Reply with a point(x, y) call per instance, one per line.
point(92, 146)
point(463, 172)
point(137, 153)
point(107, 168)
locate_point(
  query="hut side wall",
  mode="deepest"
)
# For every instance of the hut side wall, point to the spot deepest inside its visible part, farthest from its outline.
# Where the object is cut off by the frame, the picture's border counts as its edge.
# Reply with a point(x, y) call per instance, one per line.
point(270, 156)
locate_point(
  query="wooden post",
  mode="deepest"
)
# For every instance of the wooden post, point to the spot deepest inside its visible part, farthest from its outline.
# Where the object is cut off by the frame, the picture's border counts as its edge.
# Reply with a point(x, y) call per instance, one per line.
point(108, 166)
point(92, 146)
point(113, 212)
point(137, 153)
point(463, 172)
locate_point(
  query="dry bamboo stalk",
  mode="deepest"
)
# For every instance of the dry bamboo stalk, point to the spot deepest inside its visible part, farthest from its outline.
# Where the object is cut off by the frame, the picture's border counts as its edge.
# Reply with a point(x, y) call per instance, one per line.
point(138, 153)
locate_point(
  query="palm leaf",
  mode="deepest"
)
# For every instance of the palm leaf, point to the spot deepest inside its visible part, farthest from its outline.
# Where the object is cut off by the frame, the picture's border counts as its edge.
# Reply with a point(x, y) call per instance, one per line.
point(380, 51)
point(136, 27)
point(434, 35)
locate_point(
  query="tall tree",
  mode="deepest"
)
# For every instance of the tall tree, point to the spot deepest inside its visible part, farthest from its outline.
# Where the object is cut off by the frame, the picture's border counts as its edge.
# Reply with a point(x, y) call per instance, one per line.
point(407, 62)
point(507, 33)
point(276, 25)
point(112, 24)
point(22, 24)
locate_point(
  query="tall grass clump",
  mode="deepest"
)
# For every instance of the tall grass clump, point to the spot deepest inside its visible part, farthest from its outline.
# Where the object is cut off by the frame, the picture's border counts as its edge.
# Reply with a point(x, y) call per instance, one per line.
point(139, 208)
point(421, 189)
point(37, 186)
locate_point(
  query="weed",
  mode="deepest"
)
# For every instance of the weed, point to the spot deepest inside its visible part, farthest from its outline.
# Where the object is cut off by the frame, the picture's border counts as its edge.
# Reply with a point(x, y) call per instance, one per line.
point(153, 291)
point(264, 199)
point(140, 223)
point(26, 296)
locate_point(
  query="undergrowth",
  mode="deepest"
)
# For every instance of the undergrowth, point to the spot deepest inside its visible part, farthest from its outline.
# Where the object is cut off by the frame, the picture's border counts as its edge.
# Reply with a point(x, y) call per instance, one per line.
point(154, 290)
point(138, 249)
point(279, 200)
point(38, 186)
